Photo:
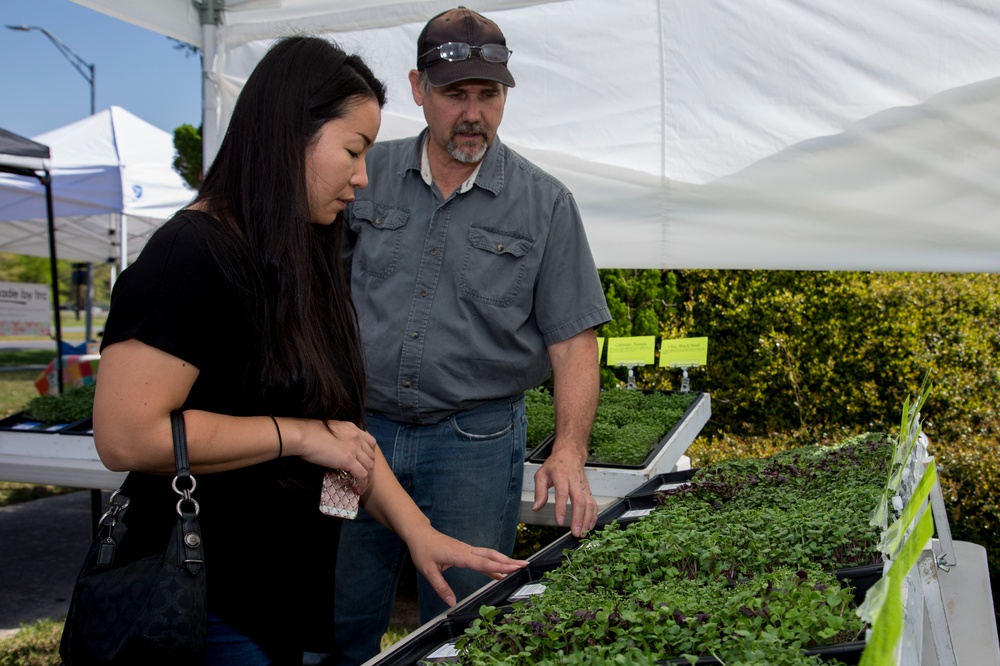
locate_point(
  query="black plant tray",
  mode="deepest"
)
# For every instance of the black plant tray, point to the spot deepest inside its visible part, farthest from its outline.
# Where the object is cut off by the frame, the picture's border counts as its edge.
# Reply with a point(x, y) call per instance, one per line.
point(21, 422)
point(83, 427)
point(860, 577)
point(440, 638)
point(652, 486)
point(424, 642)
point(541, 452)
point(641, 504)
point(633, 508)
point(504, 593)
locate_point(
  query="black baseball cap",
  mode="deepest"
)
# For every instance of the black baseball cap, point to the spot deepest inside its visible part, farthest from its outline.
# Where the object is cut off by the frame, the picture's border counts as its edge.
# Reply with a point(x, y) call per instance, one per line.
point(462, 26)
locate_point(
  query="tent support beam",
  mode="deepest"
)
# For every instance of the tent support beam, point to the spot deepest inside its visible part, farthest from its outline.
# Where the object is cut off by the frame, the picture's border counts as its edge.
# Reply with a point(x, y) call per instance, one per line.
point(46, 180)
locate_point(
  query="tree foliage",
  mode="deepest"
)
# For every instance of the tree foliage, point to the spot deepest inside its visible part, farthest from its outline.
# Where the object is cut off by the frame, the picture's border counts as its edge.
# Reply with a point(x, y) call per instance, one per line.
point(790, 350)
point(22, 268)
point(187, 159)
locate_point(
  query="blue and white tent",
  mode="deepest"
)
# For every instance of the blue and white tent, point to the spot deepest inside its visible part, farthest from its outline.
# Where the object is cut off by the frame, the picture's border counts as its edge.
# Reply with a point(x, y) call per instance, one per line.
point(112, 184)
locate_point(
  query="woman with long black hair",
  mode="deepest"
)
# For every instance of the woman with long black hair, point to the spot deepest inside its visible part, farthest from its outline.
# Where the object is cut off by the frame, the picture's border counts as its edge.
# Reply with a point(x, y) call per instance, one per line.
point(237, 313)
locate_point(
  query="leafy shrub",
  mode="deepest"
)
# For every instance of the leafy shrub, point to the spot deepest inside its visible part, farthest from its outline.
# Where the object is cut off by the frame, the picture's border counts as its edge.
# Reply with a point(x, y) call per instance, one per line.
point(793, 349)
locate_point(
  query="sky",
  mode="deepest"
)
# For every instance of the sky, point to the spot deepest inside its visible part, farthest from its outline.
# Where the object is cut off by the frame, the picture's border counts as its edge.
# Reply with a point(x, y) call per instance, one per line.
point(136, 69)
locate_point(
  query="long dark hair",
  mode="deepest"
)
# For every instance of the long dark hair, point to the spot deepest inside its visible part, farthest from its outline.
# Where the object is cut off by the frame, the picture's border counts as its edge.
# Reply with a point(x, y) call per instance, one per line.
point(296, 291)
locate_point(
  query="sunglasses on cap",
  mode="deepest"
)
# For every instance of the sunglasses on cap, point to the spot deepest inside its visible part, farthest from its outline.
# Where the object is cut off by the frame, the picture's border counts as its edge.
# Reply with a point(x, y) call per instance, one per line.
point(458, 51)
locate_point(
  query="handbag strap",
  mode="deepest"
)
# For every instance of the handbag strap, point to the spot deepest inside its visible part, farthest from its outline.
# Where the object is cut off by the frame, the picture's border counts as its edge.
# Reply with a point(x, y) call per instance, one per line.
point(180, 445)
point(190, 553)
point(183, 484)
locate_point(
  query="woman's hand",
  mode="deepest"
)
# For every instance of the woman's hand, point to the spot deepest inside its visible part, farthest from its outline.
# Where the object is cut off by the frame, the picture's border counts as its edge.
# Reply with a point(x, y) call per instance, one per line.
point(433, 552)
point(334, 445)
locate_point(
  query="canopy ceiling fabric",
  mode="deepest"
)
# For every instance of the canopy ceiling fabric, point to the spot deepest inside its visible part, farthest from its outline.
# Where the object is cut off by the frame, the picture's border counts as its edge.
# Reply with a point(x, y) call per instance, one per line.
point(775, 134)
point(112, 179)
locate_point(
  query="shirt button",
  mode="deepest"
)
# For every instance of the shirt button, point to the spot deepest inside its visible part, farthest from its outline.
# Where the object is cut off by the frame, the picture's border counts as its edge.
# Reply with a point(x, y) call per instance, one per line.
point(406, 384)
point(415, 335)
point(434, 252)
point(500, 247)
point(378, 221)
point(423, 292)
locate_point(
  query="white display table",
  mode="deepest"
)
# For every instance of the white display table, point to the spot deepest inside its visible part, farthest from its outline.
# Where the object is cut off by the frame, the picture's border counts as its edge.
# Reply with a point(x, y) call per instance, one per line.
point(609, 484)
point(54, 458)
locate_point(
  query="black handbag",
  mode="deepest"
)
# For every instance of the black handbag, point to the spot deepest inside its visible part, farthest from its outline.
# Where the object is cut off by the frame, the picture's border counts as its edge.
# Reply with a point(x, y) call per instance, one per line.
point(148, 611)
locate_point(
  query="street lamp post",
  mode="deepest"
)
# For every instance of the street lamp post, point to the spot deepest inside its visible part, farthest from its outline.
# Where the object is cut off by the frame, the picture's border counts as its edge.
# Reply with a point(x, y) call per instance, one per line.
point(85, 68)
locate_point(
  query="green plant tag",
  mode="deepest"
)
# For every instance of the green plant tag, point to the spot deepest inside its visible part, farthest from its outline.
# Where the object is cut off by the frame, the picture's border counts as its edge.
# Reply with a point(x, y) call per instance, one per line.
point(637, 350)
point(887, 627)
point(894, 535)
point(683, 352)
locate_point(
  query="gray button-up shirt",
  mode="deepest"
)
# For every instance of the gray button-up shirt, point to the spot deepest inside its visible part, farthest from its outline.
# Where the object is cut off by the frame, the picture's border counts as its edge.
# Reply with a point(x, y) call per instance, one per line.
point(459, 299)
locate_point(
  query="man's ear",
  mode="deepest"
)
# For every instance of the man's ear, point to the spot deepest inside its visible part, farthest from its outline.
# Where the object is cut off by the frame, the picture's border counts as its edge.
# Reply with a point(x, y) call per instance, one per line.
point(418, 94)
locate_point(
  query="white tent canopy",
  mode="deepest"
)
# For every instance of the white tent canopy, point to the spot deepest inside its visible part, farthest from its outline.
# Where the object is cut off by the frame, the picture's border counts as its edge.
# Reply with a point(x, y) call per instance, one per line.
point(833, 134)
point(112, 185)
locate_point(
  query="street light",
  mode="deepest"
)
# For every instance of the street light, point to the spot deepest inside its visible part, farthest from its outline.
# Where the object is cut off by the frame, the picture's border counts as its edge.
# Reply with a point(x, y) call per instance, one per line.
point(85, 68)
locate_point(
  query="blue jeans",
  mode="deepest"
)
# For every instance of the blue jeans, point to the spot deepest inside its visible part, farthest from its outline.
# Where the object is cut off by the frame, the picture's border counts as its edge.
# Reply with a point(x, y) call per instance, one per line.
point(224, 646)
point(465, 475)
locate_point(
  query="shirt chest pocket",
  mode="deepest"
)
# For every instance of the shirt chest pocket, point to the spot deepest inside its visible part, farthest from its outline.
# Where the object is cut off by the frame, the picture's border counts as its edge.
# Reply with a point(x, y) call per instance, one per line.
point(380, 237)
point(494, 267)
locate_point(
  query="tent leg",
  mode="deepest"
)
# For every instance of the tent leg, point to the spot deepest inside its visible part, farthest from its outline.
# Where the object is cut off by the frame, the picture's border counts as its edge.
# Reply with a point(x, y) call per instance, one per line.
point(54, 270)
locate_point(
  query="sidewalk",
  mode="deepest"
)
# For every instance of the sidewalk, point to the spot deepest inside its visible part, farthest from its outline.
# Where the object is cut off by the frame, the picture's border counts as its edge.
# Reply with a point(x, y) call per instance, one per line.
point(44, 544)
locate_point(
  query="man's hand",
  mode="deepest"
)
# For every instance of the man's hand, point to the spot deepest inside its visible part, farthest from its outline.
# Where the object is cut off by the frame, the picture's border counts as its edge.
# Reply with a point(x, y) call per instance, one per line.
point(563, 470)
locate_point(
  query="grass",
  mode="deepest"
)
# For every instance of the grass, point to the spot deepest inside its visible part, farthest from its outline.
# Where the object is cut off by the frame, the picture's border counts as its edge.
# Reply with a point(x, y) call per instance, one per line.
point(34, 645)
point(17, 387)
point(18, 357)
point(392, 635)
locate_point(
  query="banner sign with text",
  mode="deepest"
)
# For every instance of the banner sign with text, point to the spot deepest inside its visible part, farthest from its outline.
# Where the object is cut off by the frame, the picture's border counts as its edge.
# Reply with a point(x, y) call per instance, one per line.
point(25, 309)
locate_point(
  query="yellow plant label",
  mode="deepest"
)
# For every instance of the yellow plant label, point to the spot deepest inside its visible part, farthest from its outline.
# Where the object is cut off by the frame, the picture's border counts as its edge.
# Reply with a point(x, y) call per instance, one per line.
point(683, 352)
point(638, 350)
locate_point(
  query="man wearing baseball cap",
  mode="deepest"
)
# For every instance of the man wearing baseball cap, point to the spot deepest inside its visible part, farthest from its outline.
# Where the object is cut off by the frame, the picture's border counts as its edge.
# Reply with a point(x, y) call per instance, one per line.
point(473, 281)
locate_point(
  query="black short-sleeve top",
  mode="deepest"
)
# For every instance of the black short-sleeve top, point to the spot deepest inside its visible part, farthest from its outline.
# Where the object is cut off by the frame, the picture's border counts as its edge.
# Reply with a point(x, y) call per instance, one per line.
point(269, 551)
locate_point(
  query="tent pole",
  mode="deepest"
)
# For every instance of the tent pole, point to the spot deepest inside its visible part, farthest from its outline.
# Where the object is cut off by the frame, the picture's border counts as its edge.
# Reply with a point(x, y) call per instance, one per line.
point(47, 182)
point(89, 318)
point(210, 16)
point(123, 240)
